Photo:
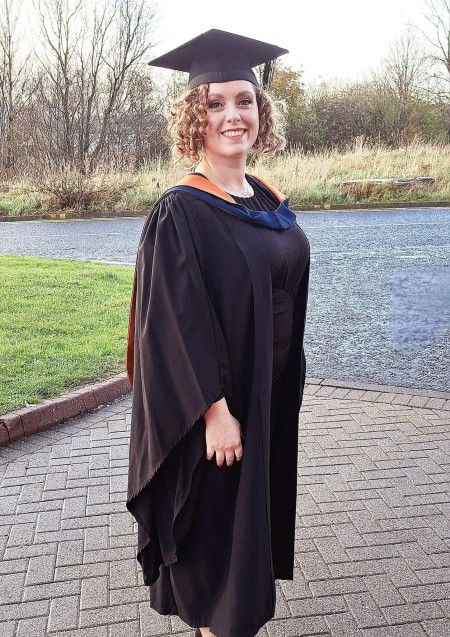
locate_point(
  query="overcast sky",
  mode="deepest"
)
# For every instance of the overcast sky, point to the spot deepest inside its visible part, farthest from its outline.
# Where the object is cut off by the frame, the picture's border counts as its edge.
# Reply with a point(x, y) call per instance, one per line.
point(327, 38)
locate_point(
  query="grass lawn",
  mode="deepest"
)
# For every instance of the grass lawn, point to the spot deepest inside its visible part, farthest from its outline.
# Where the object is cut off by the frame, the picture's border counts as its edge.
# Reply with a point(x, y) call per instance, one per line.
point(62, 323)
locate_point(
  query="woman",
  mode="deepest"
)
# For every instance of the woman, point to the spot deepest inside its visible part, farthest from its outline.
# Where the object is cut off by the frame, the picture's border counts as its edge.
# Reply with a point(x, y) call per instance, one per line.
point(217, 323)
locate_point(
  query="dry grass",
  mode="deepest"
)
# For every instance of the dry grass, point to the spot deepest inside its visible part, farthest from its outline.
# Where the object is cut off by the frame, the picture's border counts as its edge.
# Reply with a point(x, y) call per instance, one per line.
point(315, 179)
point(308, 179)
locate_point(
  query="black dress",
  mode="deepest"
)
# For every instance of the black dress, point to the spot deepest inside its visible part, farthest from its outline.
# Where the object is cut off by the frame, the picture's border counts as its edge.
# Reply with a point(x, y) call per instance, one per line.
point(193, 585)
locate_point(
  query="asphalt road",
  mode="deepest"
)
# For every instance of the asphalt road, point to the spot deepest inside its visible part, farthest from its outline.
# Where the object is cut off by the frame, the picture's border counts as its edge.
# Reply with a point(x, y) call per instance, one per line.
point(379, 303)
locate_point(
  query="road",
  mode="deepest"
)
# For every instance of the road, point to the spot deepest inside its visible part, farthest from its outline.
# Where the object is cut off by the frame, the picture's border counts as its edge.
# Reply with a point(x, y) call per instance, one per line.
point(379, 303)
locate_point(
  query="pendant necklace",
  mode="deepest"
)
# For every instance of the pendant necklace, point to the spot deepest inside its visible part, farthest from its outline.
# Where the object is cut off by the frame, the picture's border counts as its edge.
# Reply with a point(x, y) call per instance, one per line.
point(247, 193)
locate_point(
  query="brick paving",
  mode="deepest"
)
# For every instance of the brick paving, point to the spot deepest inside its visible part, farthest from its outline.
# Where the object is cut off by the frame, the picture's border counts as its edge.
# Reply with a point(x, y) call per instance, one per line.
point(373, 525)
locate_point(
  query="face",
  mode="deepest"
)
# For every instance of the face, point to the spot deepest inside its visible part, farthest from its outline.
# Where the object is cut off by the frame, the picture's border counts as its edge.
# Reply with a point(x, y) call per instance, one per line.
point(232, 119)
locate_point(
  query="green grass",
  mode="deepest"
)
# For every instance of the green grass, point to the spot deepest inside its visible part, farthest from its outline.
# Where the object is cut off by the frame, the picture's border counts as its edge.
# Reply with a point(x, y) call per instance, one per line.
point(18, 201)
point(62, 323)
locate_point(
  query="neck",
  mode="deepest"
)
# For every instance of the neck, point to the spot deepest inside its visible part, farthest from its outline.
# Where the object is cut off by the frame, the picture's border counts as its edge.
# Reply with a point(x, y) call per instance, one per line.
point(228, 175)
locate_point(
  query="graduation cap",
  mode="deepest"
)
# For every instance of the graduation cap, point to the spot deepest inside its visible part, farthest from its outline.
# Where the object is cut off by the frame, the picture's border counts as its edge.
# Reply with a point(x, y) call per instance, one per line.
point(219, 56)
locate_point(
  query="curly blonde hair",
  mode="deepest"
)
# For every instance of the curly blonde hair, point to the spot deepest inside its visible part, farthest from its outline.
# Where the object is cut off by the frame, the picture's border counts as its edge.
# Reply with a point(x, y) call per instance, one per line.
point(187, 123)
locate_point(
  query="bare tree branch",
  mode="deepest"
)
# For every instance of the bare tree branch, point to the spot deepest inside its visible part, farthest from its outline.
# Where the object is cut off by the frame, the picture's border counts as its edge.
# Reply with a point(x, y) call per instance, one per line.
point(15, 80)
point(437, 35)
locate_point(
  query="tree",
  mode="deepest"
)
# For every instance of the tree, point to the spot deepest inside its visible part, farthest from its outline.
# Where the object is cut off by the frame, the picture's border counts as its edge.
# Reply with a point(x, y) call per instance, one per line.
point(286, 87)
point(131, 20)
point(89, 53)
point(138, 131)
point(15, 80)
point(402, 79)
point(437, 35)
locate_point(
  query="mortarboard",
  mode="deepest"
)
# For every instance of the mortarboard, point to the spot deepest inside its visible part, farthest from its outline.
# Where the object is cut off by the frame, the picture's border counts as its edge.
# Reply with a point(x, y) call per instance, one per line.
point(219, 56)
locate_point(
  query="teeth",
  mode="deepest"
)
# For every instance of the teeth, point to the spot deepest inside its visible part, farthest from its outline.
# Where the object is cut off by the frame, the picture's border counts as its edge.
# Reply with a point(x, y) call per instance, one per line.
point(233, 133)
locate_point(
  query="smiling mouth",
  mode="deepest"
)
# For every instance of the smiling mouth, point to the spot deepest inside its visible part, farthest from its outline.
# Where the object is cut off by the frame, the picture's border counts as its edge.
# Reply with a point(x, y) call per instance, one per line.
point(233, 133)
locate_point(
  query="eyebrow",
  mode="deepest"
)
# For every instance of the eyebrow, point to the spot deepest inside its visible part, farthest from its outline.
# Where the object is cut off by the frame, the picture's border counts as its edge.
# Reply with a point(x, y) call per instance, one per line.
point(246, 92)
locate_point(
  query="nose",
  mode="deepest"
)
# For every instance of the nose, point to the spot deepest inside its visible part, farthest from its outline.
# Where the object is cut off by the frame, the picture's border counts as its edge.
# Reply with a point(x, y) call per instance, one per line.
point(233, 114)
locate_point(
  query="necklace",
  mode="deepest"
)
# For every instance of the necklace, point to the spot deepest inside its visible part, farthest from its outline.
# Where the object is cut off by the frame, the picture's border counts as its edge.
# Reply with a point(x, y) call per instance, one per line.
point(247, 193)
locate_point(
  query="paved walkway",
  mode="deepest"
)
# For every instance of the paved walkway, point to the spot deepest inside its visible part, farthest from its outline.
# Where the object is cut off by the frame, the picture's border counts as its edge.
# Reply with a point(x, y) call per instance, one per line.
point(373, 533)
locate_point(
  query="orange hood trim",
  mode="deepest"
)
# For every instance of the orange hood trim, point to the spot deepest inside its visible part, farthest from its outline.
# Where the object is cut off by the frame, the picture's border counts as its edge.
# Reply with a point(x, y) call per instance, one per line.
point(196, 181)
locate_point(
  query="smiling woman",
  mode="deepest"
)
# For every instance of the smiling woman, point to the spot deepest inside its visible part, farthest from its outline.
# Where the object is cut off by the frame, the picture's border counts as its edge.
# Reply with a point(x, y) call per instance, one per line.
point(193, 119)
point(216, 356)
point(229, 122)
point(233, 124)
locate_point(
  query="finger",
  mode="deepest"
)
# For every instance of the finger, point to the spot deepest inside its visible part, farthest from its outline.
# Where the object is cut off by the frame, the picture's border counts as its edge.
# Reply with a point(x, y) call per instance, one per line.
point(230, 458)
point(220, 459)
point(239, 452)
point(209, 454)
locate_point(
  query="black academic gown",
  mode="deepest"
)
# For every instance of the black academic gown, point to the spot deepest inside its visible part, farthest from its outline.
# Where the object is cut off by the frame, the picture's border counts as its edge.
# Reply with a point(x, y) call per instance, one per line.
point(203, 330)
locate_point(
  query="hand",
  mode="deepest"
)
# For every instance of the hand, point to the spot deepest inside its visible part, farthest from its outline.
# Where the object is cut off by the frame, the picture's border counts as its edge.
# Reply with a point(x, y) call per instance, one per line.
point(223, 434)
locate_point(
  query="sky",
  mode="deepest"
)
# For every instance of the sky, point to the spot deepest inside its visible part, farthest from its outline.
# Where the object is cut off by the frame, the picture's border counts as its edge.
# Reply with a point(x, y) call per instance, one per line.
point(328, 39)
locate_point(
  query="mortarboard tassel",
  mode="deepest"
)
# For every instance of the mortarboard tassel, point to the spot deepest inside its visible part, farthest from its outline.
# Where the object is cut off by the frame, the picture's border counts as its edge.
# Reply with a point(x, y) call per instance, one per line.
point(267, 74)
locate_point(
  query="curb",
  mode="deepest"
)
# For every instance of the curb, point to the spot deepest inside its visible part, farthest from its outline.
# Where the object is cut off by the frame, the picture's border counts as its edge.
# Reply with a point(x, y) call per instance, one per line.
point(375, 393)
point(375, 205)
point(82, 216)
point(30, 420)
point(121, 214)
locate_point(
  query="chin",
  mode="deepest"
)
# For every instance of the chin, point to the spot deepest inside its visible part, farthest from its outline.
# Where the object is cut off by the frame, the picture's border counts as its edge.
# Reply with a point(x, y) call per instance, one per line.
point(237, 149)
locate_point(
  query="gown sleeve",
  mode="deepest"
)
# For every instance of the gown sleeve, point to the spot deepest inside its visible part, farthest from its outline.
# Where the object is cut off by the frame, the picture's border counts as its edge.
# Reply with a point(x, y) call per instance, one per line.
point(177, 371)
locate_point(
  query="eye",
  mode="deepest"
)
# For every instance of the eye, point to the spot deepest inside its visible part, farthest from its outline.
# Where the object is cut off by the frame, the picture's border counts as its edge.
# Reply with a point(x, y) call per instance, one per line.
point(214, 104)
point(246, 101)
